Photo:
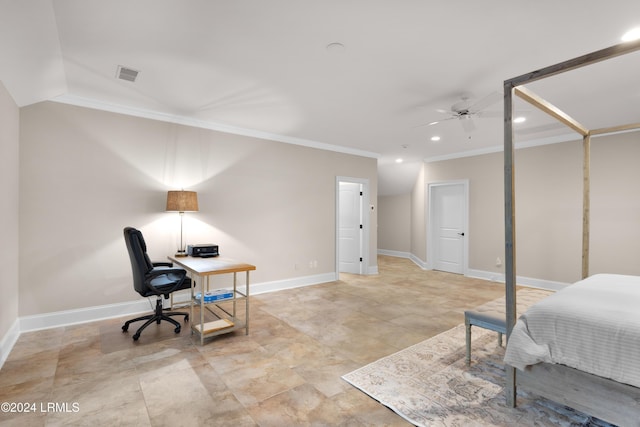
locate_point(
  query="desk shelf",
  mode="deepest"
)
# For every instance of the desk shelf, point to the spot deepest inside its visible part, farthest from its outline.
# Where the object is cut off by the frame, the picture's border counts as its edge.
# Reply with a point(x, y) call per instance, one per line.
point(218, 326)
point(228, 319)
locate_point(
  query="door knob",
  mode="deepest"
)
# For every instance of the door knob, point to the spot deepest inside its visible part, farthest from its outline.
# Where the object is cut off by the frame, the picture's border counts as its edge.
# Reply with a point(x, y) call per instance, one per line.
point(461, 234)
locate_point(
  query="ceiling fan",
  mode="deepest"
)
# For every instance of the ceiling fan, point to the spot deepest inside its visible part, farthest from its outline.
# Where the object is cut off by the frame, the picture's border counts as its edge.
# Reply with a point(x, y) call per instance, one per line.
point(465, 109)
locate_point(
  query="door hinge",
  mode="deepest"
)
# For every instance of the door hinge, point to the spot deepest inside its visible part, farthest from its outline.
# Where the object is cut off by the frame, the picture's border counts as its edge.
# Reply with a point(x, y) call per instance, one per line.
point(360, 259)
point(360, 226)
point(361, 193)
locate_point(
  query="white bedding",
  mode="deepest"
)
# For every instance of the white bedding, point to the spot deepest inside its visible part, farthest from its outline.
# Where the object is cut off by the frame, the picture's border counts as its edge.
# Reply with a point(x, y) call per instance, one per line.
point(592, 325)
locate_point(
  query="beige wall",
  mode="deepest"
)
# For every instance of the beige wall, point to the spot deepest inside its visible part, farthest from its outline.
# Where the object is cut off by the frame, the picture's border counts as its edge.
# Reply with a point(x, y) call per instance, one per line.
point(418, 218)
point(394, 224)
point(549, 212)
point(86, 174)
point(548, 208)
point(9, 189)
point(615, 204)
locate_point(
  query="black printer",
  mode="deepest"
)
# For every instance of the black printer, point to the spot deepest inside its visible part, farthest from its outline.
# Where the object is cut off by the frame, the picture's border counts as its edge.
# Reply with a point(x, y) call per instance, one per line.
point(203, 251)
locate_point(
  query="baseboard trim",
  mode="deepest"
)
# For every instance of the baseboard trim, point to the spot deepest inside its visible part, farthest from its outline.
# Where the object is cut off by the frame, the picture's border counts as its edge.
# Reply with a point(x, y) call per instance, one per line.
point(297, 282)
point(408, 255)
point(83, 315)
point(520, 280)
point(397, 254)
point(8, 341)
point(420, 263)
point(481, 274)
point(130, 308)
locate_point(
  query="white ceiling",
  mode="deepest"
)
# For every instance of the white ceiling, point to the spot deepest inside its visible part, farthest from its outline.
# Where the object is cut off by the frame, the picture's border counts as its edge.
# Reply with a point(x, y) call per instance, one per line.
point(263, 67)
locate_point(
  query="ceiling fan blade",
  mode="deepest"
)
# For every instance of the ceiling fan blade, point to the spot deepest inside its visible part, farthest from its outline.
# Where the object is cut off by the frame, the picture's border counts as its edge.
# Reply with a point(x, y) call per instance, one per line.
point(485, 102)
point(435, 123)
point(467, 123)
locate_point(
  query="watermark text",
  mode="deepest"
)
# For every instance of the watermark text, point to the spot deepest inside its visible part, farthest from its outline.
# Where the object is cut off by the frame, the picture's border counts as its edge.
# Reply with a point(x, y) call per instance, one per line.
point(39, 407)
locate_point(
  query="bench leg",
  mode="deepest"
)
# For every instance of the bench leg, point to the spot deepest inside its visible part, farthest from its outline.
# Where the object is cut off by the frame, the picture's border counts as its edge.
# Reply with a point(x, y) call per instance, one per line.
point(468, 337)
point(499, 339)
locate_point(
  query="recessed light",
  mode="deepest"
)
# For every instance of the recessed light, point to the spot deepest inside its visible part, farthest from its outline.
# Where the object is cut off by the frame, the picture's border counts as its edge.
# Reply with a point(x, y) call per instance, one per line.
point(631, 35)
point(519, 120)
point(398, 160)
point(435, 138)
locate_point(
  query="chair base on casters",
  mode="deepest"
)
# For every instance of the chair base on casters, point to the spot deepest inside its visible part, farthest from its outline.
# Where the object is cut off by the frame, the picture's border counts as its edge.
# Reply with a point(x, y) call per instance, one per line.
point(156, 317)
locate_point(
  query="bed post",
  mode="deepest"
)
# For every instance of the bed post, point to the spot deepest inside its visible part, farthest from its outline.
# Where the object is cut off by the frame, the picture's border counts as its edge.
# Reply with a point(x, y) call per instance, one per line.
point(510, 235)
point(586, 202)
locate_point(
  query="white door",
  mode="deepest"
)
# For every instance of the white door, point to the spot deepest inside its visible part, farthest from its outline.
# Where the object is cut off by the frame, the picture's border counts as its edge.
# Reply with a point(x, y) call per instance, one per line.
point(349, 228)
point(449, 218)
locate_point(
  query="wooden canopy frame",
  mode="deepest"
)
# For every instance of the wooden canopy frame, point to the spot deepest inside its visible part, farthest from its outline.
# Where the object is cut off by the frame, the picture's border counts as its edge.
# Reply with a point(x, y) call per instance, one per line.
point(569, 394)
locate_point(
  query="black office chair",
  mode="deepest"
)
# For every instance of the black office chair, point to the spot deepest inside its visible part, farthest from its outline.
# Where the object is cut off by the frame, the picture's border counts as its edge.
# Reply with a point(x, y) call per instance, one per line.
point(159, 279)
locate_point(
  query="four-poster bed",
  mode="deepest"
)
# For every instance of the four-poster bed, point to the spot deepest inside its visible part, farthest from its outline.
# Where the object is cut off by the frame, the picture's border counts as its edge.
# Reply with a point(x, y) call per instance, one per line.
point(612, 401)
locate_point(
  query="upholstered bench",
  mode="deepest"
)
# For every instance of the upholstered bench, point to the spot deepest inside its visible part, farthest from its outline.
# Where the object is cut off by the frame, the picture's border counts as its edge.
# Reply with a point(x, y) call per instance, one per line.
point(484, 317)
point(492, 314)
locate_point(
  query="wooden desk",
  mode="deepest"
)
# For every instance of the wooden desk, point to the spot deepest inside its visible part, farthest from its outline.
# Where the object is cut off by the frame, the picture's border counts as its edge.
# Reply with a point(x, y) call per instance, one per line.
point(200, 270)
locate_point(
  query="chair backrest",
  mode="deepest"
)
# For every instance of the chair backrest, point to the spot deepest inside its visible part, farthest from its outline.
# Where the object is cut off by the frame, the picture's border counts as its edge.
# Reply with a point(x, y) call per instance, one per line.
point(140, 262)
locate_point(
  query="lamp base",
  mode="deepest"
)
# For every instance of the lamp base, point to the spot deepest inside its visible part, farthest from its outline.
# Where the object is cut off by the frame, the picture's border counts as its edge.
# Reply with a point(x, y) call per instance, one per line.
point(181, 254)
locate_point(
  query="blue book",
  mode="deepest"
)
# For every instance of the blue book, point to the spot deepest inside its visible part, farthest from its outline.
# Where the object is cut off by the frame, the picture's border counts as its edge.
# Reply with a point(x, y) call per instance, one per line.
point(215, 295)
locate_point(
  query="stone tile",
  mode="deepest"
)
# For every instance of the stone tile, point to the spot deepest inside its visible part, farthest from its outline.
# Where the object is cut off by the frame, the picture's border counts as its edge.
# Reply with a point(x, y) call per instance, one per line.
point(34, 367)
point(254, 377)
point(174, 395)
point(364, 411)
point(36, 342)
point(106, 399)
point(302, 405)
point(91, 364)
point(325, 374)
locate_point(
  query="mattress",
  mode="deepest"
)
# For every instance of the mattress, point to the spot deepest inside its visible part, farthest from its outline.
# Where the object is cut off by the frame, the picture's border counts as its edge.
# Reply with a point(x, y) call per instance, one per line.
point(592, 325)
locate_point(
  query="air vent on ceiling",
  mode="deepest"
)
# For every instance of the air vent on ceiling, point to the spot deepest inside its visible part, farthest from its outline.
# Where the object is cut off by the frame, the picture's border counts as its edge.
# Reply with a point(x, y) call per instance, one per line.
point(127, 74)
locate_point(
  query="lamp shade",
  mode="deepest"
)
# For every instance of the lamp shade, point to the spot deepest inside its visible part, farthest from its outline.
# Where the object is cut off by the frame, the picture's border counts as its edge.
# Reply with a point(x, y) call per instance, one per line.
point(182, 201)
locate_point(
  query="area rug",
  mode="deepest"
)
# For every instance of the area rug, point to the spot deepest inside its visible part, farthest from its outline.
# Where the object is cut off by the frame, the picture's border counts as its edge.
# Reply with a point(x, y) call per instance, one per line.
point(429, 384)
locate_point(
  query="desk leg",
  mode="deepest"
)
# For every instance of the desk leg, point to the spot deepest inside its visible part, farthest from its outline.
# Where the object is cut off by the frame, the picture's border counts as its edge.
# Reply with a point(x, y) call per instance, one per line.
point(193, 287)
point(235, 286)
point(202, 312)
point(247, 305)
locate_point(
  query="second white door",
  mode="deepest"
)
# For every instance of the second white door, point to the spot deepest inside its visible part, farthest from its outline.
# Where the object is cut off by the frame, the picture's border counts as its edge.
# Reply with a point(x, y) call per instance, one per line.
point(448, 227)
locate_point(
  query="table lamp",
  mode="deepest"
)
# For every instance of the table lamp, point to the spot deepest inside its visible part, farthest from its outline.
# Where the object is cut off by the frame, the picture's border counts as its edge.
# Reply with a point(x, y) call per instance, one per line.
point(182, 201)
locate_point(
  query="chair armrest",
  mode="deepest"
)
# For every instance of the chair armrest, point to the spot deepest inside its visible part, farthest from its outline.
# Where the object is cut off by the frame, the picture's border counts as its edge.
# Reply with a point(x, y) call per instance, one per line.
point(162, 264)
point(160, 270)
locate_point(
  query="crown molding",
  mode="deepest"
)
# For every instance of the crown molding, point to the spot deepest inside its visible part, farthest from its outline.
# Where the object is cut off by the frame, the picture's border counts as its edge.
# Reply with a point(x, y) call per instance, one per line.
point(206, 124)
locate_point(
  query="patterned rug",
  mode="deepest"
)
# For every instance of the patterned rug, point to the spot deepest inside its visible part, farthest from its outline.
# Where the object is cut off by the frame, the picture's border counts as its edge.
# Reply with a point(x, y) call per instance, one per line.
point(429, 384)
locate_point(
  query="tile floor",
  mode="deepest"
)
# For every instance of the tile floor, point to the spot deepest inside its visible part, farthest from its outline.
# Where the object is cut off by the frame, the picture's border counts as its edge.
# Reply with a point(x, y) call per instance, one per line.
point(286, 372)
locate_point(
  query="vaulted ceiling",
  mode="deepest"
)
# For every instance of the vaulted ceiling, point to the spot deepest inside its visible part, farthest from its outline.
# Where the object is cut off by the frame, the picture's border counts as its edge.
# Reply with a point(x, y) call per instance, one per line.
point(360, 76)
